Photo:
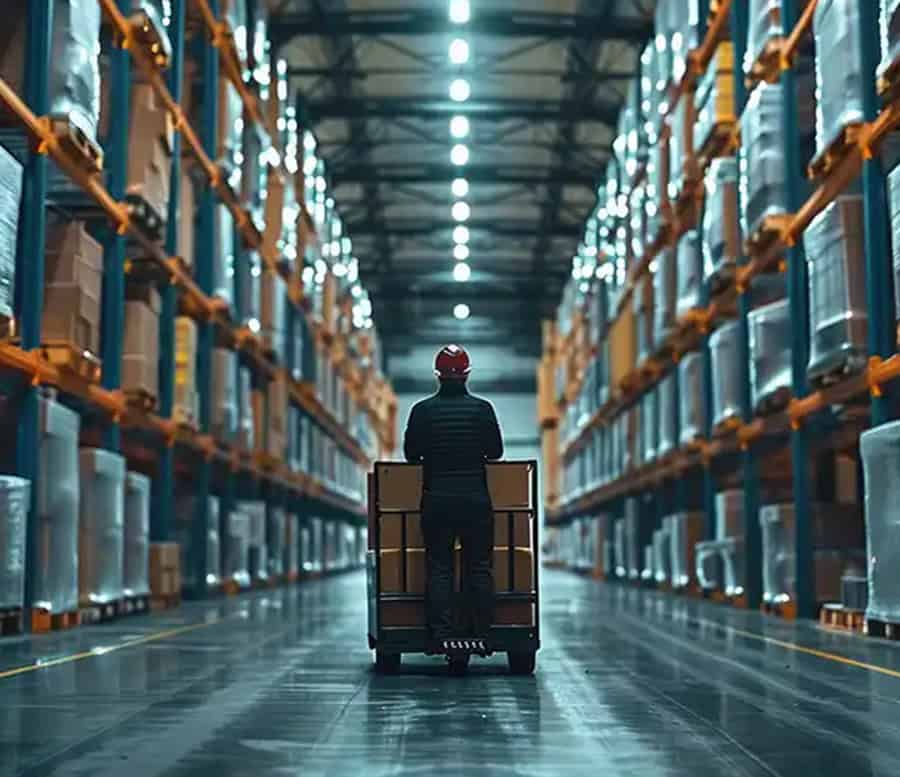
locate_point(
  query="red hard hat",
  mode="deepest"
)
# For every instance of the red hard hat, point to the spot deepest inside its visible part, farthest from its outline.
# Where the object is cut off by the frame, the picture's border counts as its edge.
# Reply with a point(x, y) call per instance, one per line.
point(452, 363)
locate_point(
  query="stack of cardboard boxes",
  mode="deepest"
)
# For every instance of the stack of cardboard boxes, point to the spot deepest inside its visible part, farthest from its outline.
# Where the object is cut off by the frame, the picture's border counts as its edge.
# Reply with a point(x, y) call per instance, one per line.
point(224, 394)
point(184, 410)
point(73, 272)
point(140, 351)
point(150, 149)
point(165, 569)
point(276, 437)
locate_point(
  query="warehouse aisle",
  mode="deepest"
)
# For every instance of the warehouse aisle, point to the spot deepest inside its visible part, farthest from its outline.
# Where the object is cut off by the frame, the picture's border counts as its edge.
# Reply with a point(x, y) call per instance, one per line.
point(629, 683)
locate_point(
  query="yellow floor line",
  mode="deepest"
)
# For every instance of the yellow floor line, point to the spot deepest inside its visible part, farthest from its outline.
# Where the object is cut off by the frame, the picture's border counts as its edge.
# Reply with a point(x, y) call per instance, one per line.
point(103, 651)
point(808, 651)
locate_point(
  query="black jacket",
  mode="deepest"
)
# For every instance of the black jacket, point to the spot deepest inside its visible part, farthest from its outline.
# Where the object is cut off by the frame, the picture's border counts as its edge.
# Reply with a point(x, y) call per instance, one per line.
point(453, 434)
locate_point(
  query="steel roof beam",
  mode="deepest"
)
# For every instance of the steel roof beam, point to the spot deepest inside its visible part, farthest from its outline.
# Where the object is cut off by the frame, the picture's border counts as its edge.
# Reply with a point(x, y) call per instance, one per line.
point(435, 21)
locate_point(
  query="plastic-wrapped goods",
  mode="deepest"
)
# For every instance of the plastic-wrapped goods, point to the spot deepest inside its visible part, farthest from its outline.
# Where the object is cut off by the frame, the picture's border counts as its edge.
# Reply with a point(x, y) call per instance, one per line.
point(714, 100)
point(721, 222)
point(275, 541)
point(835, 256)
point(837, 541)
point(632, 538)
point(765, 26)
point(650, 425)
point(620, 549)
point(727, 373)
point(246, 423)
point(665, 25)
point(14, 504)
point(258, 555)
point(770, 355)
point(854, 590)
point(255, 172)
point(248, 280)
point(10, 194)
point(677, 149)
point(729, 514)
point(136, 543)
point(893, 186)
point(236, 556)
point(648, 571)
point(223, 255)
point(708, 565)
point(839, 69)
point(665, 296)
point(213, 544)
point(274, 315)
point(224, 394)
point(734, 563)
point(880, 448)
point(689, 262)
point(686, 530)
point(662, 556)
point(890, 34)
point(692, 404)
point(100, 526)
point(609, 559)
point(56, 576)
point(668, 414)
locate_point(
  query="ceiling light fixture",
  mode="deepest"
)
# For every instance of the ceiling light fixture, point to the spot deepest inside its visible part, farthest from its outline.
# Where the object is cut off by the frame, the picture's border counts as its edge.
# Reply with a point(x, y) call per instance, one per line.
point(460, 90)
point(459, 127)
point(459, 51)
point(460, 13)
point(461, 211)
point(461, 311)
point(461, 235)
point(460, 187)
point(462, 272)
point(460, 252)
point(459, 154)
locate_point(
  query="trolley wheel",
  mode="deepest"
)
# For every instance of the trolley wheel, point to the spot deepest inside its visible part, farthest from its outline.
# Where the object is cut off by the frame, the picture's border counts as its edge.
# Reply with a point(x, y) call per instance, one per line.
point(521, 663)
point(387, 663)
point(458, 665)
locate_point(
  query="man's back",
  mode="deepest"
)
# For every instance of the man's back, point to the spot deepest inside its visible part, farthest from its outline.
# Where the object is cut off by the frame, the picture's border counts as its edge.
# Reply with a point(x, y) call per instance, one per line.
point(453, 434)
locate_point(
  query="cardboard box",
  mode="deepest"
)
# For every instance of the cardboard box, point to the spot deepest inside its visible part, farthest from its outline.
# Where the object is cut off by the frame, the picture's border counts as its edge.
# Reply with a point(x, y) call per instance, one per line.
point(165, 568)
point(521, 526)
point(550, 464)
point(71, 315)
point(73, 258)
point(523, 570)
point(392, 530)
point(510, 485)
point(622, 347)
point(399, 487)
point(140, 351)
point(274, 214)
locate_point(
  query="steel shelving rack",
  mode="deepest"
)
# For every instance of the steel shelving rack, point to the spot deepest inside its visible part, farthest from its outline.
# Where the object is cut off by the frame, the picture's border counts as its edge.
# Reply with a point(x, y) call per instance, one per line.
point(777, 246)
point(157, 436)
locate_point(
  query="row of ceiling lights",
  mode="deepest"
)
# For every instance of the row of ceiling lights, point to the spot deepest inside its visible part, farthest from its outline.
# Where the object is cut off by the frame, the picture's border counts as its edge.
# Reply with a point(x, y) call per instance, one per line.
point(460, 91)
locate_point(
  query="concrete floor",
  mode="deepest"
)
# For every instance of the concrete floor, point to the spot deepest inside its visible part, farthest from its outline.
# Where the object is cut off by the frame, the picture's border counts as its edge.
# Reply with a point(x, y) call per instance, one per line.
point(628, 683)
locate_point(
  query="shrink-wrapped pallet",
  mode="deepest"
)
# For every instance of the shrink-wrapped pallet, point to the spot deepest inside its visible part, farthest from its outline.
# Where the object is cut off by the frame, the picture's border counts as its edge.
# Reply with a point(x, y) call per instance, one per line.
point(14, 506)
point(276, 541)
point(880, 448)
point(214, 544)
point(729, 514)
point(621, 558)
point(662, 556)
point(274, 315)
point(734, 564)
point(56, 573)
point(893, 186)
point(248, 280)
point(762, 164)
point(648, 571)
point(840, 75)
point(721, 222)
point(73, 85)
point(691, 400)
point(689, 261)
point(224, 406)
point(236, 552)
point(223, 256)
point(668, 414)
point(254, 171)
point(677, 149)
point(834, 244)
point(770, 355)
point(890, 34)
point(727, 373)
point(246, 423)
point(650, 425)
point(136, 543)
point(665, 296)
point(764, 27)
point(100, 526)
point(837, 541)
point(258, 549)
point(708, 565)
point(10, 195)
point(632, 538)
point(686, 530)
point(186, 519)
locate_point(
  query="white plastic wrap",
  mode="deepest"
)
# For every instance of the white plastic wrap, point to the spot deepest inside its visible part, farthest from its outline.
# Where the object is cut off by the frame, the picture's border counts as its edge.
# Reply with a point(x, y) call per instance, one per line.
point(100, 526)
point(136, 550)
point(729, 514)
point(276, 535)
point(665, 296)
point(890, 34)
point(721, 221)
point(249, 271)
point(245, 409)
point(650, 425)
point(258, 561)
point(648, 571)
point(223, 256)
point(662, 556)
point(835, 255)
point(75, 64)
point(677, 149)
point(225, 399)
point(727, 373)
point(56, 577)
point(839, 69)
point(734, 562)
point(620, 549)
point(880, 448)
point(893, 187)
point(643, 318)
point(668, 414)
point(213, 544)
point(770, 355)
point(236, 556)
point(762, 166)
point(685, 529)
point(708, 565)
point(764, 26)
point(10, 195)
point(691, 401)
point(632, 538)
point(690, 272)
point(14, 505)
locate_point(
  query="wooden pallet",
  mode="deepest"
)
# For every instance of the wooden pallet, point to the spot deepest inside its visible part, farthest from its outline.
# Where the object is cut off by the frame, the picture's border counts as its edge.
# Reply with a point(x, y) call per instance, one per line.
point(774, 403)
point(846, 141)
point(767, 236)
point(889, 83)
point(87, 154)
point(135, 605)
point(836, 616)
point(43, 621)
point(12, 621)
point(722, 140)
point(850, 364)
point(144, 216)
point(184, 420)
point(141, 400)
point(69, 357)
point(230, 588)
point(722, 279)
point(883, 629)
point(147, 36)
point(767, 63)
point(164, 601)
point(101, 613)
point(786, 610)
point(727, 427)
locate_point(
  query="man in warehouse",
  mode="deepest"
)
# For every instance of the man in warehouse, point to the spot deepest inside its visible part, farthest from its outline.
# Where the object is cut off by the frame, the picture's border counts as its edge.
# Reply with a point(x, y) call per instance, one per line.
point(453, 434)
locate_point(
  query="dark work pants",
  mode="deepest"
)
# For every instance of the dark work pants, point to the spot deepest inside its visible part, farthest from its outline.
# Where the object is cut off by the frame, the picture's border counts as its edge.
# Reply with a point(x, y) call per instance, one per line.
point(446, 517)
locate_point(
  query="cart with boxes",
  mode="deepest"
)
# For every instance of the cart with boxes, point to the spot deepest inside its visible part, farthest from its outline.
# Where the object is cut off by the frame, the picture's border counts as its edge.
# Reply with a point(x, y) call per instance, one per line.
point(397, 573)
